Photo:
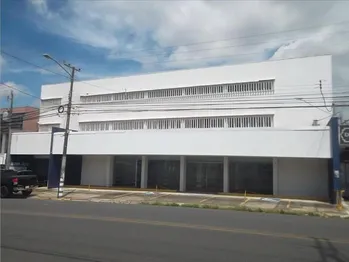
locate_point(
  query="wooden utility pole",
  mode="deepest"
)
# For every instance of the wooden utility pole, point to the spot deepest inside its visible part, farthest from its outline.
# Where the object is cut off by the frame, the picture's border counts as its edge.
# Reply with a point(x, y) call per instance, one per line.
point(9, 139)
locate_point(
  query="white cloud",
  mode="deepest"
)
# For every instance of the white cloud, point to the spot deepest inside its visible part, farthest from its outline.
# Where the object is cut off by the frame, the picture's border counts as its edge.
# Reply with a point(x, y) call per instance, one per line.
point(18, 90)
point(2, 61)
point(2, 65)
point(122, 28)
point(30, 69)
point(41, 7)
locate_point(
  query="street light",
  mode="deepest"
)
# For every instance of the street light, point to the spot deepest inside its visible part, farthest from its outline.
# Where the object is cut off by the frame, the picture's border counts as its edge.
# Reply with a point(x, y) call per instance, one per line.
point(66, 130)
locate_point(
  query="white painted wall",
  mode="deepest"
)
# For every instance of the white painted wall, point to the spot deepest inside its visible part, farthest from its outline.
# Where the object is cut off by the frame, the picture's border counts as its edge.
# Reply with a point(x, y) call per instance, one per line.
point(2, 159)
point(212, 142)
point(303, 177)
point(294, 78)
point(97, 170)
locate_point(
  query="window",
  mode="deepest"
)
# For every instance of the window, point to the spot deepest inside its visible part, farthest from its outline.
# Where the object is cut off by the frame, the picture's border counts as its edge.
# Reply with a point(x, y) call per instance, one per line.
point(207, 122)
point(250, 121)
point(163, 124)
point(165, 93)
point(47, 127)
point(94, 126)
point(262, 87)
point(51, 102)
point(254, 121)
point(112, 97)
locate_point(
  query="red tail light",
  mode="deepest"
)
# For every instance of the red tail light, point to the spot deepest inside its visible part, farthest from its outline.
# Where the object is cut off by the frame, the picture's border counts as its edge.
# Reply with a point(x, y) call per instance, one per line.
point(15, 180)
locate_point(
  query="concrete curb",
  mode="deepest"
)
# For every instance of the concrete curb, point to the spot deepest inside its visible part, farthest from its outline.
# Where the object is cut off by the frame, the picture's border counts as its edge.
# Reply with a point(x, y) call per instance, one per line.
point(178, 194)
point(346, 206)
point(284, 211)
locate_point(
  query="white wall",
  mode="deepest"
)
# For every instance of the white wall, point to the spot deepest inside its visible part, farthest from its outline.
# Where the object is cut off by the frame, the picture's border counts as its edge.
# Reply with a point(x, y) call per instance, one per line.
point(293, 78)
point(211, 142)
point(303, 177)
point(2, 159)
point(97, 170)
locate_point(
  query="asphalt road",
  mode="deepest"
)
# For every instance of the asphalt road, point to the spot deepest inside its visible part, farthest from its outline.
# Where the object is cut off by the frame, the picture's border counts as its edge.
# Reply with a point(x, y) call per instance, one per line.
point(37, 230)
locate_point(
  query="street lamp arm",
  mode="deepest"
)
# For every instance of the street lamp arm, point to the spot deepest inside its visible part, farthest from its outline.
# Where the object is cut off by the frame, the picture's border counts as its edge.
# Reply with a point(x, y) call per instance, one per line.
point(58, 63)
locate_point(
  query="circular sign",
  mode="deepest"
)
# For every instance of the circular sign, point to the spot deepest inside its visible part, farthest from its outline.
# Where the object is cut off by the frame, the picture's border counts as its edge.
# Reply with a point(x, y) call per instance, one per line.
point(345, 135)
point(60, 109)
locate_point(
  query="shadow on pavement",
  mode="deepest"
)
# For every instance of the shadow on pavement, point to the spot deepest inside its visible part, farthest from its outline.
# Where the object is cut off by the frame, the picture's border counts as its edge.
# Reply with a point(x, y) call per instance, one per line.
point(18, 196)
point(328, 252)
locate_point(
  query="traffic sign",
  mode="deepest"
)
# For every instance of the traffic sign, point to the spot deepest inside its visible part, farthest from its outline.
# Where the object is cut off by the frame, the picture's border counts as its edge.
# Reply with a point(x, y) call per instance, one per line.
point(344, 134)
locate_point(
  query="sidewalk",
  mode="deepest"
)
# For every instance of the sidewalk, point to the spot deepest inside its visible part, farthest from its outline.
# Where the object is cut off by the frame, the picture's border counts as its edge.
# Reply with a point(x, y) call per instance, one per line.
point(259, 204)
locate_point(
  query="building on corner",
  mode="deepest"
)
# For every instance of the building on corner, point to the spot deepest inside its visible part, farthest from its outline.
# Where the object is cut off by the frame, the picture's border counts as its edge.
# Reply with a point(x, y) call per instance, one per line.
point(257, 128)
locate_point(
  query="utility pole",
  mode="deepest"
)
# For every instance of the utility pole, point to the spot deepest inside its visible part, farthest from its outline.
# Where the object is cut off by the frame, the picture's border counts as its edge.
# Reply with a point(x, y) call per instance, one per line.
point(66, 131)
point(9, 139)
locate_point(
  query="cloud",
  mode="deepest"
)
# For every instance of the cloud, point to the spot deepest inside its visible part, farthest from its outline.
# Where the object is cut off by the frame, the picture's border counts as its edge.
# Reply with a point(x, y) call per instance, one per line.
point(160, 34)
point(2, 61)
point(31, 70)
point(40, 7)
point(18, 90)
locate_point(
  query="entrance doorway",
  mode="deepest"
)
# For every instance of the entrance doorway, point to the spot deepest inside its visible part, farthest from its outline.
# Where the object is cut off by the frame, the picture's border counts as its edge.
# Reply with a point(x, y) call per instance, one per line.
point(205, 176)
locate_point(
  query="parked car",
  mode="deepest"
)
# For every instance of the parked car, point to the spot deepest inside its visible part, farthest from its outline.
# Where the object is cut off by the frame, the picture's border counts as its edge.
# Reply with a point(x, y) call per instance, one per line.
point(22, 181)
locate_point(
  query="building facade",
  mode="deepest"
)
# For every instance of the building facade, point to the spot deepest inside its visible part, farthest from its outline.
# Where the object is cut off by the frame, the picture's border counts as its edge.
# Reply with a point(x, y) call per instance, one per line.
point(24, 119)
point(256, 128)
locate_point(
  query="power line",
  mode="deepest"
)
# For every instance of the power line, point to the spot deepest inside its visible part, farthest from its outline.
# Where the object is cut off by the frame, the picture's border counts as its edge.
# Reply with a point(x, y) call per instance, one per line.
point(247, 36)
point(86, 112)
point(205, 49)
point(43, 68)
point(84, 82)
point(226, 97)
point(32, 64)
point(19, 90)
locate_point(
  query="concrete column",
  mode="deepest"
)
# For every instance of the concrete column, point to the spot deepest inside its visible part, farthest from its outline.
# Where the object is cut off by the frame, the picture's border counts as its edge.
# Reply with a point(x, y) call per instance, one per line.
point(275, 177)
point(3, 143)
point(183, 174)
point(144, 172)
point(109, 170)
point(226, 174)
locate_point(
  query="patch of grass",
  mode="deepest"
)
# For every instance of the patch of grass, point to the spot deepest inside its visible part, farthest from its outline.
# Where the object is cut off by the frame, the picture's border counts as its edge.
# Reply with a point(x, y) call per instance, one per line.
point(172, 204)
point(191, 205)
point(156, 203)
point(210, 206)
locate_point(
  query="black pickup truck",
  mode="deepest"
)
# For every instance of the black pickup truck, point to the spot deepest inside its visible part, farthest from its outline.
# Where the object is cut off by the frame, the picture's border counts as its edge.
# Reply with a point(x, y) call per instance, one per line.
point(17, 181)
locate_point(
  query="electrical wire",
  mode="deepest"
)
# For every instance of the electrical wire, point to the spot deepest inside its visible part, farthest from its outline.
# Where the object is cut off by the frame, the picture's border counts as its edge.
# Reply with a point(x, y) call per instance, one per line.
point(281, 98)
point(164, 53)
point(79, 81)
point(230, 99)
point(248, 36)
point(270, 106)
point(19, 90)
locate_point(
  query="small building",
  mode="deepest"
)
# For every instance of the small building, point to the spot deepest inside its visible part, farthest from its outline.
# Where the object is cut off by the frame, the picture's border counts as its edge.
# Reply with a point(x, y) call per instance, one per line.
point(257, 128)
point(24, 119)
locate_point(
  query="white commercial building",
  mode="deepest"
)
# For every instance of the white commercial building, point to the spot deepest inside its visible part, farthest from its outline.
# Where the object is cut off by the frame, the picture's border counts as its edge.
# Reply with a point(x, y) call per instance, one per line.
point(260, 128)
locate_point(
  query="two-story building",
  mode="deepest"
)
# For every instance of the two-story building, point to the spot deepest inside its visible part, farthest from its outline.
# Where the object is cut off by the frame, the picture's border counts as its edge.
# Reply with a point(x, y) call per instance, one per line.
point(260, 128)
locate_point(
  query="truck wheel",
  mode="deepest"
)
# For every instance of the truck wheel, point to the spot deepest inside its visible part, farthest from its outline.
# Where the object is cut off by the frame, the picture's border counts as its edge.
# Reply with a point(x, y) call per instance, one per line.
point(27, 193)
point(5, 192)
